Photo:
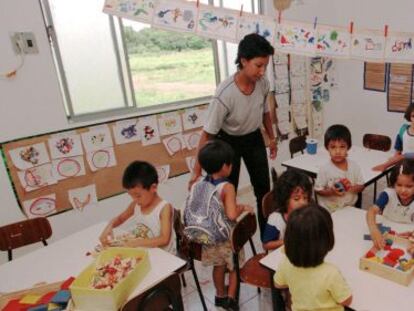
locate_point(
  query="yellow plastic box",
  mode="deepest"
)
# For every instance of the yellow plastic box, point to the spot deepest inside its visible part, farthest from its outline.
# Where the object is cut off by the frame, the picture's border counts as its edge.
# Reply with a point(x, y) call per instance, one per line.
point(87, 298)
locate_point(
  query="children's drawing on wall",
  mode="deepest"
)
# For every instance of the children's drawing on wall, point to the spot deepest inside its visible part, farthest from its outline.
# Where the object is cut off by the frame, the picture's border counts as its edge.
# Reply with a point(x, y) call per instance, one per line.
point(148, 130)
point(97, 138)
point(174, 144)
point(36, 177)
point(179, 15)
point(399, 46)
point(41, 206)
point(68, 167)
point(169, 123)
point(82, 197)
point(282, 86)
point(291, 37)
point(139, 10)
point(101, 159)
point(217, 23)
point(163, 173)
point(368, 44)
point(333, 41)
point(253, 23)
point(281, 71)
point(29, 156)
point(126, 131)
point(282, 100)
point(192, 139)
point(65, 146)
point(190, 163)
point(193, 117)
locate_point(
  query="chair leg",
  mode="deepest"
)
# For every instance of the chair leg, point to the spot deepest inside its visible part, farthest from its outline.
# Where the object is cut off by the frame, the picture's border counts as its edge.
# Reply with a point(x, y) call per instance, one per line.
point(9, 254)
point(375, 191)
point(254, 254)
point(277, 298)
point(200, 293)
point(183, 280)
point(236, 266)
point(44, 242)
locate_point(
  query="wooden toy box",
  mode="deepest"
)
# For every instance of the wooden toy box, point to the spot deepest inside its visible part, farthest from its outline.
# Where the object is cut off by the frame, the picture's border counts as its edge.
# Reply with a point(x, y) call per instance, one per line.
point(86, 298)
point(388, 272)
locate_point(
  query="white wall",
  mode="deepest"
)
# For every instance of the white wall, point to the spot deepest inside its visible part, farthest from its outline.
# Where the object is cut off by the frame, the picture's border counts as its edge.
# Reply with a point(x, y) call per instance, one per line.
point(31, 103)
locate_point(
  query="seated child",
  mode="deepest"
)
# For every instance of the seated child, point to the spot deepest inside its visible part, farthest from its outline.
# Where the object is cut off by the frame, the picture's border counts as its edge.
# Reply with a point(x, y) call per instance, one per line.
point(404, 142)
point(340, 180)
point(292, 190)
point(313, 283)
point(154, 216)
point(396, 203)
point(215, 158)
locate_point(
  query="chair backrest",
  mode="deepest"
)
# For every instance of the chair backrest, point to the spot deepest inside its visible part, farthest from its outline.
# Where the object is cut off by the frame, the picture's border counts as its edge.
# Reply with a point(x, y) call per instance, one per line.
point(376, 142)
point(268, 204)
point(297, 144)
point(185, 248)
point(243, 231)
point(24, 233)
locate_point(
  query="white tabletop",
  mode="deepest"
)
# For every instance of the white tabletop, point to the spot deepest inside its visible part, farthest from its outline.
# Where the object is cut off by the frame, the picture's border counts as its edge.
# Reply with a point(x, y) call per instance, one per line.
point(67, 257)
point(370, 292)
point(365, 158)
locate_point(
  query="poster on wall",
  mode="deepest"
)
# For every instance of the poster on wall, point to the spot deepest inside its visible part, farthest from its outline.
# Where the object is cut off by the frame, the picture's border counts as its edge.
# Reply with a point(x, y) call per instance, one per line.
point(138, 10)
point(194, 117)
point(126, 131)
point(169, 123)
point(174, 144)
point(29, 156)
point(65, 146)
point(148, 130)
point(368, 45)
point(291, 37)
point(333, 41)
point(259, 24)
point(97, 138)
point(41, 206)
point(192, 139)
point(399, 47)
point(101, 159)
point(178, 15)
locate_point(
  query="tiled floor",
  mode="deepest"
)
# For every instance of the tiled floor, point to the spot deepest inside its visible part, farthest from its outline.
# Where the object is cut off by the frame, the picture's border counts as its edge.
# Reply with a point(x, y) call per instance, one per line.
point(250, 299)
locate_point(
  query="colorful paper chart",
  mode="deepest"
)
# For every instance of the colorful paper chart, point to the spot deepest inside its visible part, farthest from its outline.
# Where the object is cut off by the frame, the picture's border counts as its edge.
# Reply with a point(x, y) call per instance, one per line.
point(193, 118)
point(399, 47)
point(368, 45)
point(179, 15)
point(333, 41)
point(126, 131)
point(148, 129)
point(41, 206)
point(29, 156)
point(292, 37)
point(97, 138)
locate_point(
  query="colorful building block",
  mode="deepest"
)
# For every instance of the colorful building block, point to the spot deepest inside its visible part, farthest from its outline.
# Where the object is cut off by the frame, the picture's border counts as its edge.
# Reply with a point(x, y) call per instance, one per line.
point(61, 297)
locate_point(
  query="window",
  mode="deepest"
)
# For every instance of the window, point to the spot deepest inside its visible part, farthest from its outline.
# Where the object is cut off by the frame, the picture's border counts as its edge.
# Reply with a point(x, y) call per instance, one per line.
point(110, 65)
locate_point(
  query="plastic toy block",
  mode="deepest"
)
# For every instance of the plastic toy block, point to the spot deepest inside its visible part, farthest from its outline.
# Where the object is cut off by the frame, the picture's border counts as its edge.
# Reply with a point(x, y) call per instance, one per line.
point(389, 241)
point(42, 307)
point(67, 283)
point(370, 254)
point(61, 297)
point(54, 307)
point(30, 299)
point(14, 305)
point(383, 229)
point(387, 247)
point(389, 262)
point(46, 297)
point(395, 253)
point(367, 237)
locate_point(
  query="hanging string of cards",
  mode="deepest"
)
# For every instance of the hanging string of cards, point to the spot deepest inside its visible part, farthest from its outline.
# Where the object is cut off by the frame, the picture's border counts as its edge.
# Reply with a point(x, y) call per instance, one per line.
point(310, 39)
point(70, 155)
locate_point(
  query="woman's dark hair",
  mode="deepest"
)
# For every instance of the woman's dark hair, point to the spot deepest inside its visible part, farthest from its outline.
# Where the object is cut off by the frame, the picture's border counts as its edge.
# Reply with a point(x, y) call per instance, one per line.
point(408, 111)
point(251, 46)
point(338, 132)
point(405, 167)
point(139, 173)
point(214, 154)
point(286, 184)
point(309, 236)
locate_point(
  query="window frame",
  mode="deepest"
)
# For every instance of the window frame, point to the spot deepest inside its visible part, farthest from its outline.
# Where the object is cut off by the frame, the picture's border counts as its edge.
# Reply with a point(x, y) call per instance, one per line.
point(124, 71)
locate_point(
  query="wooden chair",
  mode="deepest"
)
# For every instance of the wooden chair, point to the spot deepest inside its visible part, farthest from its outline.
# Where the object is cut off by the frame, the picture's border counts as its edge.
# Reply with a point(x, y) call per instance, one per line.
point(189, 252)
point(377, 142)
point(297, 144)
point(23, 233)
point(166, 295)
point(268, 205)
point(252, 272)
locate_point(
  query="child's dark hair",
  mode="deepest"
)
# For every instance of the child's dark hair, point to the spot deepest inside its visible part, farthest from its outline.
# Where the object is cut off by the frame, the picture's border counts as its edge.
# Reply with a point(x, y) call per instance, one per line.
point(405, 167)
point(338, 132)
point(309, 236)
point(214, 154)
point(139, 173)
point(408, 111)
point(286, 184)
point(251, 46)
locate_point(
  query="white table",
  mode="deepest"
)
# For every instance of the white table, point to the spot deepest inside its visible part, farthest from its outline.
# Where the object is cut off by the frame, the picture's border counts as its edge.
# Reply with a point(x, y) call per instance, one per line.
point(370, 292)
point(67, 257)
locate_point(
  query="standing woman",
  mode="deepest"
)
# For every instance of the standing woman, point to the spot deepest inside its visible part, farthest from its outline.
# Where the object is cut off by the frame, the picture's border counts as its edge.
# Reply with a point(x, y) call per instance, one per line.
point(236, 113)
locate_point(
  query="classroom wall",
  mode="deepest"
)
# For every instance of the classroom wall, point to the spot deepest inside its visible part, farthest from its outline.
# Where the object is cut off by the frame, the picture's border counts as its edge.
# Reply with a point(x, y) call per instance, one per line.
point(31, 103)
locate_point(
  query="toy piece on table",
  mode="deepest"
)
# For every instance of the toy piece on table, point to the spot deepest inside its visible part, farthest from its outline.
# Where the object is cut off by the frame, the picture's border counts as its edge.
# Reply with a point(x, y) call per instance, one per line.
point(41, 307)
point(383, 229)
point(61, 297)
point(30, 299)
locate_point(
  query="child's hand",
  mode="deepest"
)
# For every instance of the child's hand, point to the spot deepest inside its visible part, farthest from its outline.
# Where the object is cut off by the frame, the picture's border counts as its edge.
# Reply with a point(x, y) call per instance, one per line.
point(378, 239)
point(106, 236)
point(347, 184)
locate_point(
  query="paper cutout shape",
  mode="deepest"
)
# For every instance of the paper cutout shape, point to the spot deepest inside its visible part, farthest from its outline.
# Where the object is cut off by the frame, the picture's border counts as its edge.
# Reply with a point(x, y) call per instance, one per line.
point(97, 138)
point(217, 23)
point(65, 146)
point(259, 24)
point(174, 143)
point(41, 206)
point(333, 41)
point(68, 167)
point(36, 177)
point(192, 139)
point(190, 161)
point(163, 173)
point(179, 15)
point(399, 47)
point(29, 156)
point(292, 37)
point(126, 131)
point(101, 159)
point(368, 45)
point(79, 198)
point(193, 118)
point(139, 10)
point(148, 129)
point(169, 123)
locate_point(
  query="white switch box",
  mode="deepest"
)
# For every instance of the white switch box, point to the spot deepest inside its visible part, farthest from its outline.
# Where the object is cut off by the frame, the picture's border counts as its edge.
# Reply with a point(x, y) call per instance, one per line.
point(24, 42)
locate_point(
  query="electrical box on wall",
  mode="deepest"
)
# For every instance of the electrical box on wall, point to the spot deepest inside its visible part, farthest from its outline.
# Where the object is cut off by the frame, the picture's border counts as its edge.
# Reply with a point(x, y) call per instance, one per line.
point(24, 42)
